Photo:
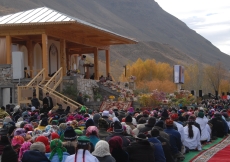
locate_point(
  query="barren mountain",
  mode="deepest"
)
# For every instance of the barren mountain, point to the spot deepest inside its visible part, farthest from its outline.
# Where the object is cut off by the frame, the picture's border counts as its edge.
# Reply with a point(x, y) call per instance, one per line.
point(161, 35)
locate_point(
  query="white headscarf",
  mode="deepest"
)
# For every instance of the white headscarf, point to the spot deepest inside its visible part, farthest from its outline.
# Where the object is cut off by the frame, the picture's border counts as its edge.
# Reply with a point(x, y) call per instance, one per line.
point(101, 149)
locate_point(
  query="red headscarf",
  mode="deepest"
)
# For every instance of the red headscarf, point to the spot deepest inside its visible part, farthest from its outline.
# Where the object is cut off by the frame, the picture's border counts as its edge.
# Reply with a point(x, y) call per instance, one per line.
point(54, 136)
point(44, 140)
point(115, 142)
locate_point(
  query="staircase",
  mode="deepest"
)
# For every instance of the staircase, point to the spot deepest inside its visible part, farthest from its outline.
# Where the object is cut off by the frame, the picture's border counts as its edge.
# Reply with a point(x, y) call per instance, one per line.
point(40, 85)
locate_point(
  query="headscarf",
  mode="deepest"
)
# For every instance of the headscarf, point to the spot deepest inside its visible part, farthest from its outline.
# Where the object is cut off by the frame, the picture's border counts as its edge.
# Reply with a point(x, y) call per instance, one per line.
point(54, 136)
point(101, 149)
point(17, 140)
point(83, 109)
point(44, 140)
point(90, 130)
point(115, 142)
point(28, 127)
point(56, 147)
point(25, 146)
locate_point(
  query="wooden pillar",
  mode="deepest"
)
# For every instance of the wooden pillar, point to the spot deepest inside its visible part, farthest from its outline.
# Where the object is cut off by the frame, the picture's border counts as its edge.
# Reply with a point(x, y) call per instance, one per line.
point(30, 57)
point(63, 56)
point(8, 50)
point(45, 57)
point(96, 67)
point(67, 60)
point(107, 56)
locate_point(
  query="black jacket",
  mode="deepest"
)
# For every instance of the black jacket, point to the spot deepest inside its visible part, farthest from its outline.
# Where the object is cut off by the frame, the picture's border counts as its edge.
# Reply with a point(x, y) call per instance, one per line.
point(35, 102)
point(141, 151)
point(120, 155)
point(45, 101)
point(80, 100)
point(167, 149)
point(34, 156)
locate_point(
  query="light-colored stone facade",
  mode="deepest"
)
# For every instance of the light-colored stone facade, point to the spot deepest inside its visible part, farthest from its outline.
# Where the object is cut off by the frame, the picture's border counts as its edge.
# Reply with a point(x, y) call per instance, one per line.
point(86, 87)
point(5, 74)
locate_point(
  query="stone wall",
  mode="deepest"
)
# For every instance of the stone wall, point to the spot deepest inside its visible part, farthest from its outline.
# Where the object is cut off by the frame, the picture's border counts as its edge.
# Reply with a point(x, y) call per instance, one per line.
point(86, 87)
point(6, 74)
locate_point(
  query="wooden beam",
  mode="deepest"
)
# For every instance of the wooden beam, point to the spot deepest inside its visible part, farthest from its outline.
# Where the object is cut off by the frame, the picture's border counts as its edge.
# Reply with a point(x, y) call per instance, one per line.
point(45, 57)
point(8, 49)
point(21, 31)
point(68, 36)
point(29, 46)
point(96, 66)
point(63, 55)
point(107, 56)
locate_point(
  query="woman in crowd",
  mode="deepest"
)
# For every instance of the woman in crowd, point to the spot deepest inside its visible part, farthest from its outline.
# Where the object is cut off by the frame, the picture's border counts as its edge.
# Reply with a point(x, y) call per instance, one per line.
point(192, 135)
point(102, 152)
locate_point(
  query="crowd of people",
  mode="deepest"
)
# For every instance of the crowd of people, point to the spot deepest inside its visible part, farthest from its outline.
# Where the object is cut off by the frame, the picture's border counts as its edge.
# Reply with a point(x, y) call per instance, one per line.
point(160, 134)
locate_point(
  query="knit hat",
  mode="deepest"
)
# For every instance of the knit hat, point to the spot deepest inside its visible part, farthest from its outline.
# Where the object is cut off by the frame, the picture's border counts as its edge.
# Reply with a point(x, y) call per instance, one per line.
point(25, 146)
point(9, 154)
point(91, 130)
point(28, 127)
point(128, 119)
point(56, 147)
point(38, 146)
point(151, 122)
point(20, 132)
point(115, 142)
point(168, 122)
point(78, 132)
point(101, 149)
point(165, 113)
point(160, 124)
point(102, 123)
point(105, 113)
point(117, 127)
point(54, 122)
point(17, 140)
point(89, 122)
point(70, 134)
point(141, 136)
point(32, 108)
point(45, 141)
point(174, 116)
point(96, 117)
point(44, 122)
point(201, 114)
point(83, 140)
point(54, 136)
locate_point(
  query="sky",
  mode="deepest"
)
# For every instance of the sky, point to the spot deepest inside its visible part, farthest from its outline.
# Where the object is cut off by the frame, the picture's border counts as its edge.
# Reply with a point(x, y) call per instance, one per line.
point(209, 18)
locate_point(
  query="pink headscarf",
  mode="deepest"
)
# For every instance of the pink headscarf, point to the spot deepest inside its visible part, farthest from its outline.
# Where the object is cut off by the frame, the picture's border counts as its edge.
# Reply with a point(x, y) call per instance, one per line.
point(25, 147)
point(17, 140)
point(90, 130)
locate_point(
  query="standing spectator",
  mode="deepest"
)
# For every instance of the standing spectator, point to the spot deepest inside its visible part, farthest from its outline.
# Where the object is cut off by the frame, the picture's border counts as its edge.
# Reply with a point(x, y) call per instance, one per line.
point(80, 99)
point(35, 102)
point(3, 112)
point(48, 101)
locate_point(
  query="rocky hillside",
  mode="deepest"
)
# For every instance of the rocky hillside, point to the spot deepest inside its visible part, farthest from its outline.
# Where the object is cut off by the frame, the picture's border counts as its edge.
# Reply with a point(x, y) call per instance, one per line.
point(161, 35)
